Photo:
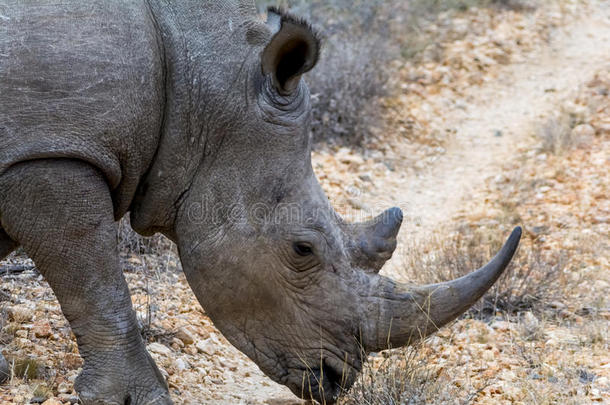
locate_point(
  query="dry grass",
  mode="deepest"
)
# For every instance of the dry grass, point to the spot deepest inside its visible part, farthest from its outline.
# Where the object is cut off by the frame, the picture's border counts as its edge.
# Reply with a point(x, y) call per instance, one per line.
point(135, 251)
point(533, 281)
point(27, 368)
point(567, 128)
point(556, 135)
point(404, 376)
point(131, 242)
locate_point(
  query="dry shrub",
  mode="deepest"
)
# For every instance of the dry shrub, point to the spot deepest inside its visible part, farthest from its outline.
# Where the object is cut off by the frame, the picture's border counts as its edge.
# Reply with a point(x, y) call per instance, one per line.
point(555, 135)
point(131, 242)
point(144, 296)
point(404, 376)
point(28, 368)
point(560, 133)
point(534, 279)
point(345, 88)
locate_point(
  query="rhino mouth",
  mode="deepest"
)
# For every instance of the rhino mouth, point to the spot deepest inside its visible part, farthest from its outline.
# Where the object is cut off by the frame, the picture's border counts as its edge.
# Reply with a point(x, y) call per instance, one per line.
point(327, 381)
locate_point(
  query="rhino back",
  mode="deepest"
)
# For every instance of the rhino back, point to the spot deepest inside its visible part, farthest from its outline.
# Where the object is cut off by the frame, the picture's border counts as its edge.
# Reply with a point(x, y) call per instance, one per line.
point(81, 80)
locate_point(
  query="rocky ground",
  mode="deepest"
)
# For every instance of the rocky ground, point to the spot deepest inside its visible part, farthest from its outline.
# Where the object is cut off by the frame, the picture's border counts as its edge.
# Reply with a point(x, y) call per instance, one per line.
point(505, 120)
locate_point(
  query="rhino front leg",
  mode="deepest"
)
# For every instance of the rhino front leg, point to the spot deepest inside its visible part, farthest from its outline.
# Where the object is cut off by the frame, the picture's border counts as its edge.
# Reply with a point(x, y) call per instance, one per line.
point(61, 212)
point(7, 245)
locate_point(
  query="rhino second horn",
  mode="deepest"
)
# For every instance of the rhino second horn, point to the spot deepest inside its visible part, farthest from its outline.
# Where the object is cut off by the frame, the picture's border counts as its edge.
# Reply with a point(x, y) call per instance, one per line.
point(379, 240)
point(388, 223)
point(405, 314)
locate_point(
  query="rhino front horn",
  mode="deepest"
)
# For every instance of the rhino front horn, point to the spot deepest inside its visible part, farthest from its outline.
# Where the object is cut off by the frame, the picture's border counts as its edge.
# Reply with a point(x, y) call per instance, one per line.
point(405, 314)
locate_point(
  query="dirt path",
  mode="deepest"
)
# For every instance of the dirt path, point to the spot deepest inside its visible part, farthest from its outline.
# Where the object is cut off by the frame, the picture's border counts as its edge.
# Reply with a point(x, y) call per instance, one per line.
point(499, 117)
point(496, 120)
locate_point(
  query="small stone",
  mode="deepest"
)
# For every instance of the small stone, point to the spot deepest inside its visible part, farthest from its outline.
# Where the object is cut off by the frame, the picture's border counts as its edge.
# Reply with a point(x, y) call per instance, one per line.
point(583, 131)
point(41, 329)
point(206, 347)
point(218, 381)
point(603, 381)
point(186, 336)
point(68, 398)
point(182, 365)
point(538, 230)
point(557, 305)
point(190, 350)
point(602, 128)
point(158, 348)
point(368, 177)
point(586, 377)
point(51, 401)
point(177, 342)
point(72, 361)
point(164, 373)
point(63, 388)
point(501, 326)
point(22, 333)
point(357, 204)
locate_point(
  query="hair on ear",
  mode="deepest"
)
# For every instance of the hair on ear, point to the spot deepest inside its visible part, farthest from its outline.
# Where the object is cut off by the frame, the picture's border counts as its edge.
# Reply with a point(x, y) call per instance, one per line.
point(285, 16)
point(294, 49)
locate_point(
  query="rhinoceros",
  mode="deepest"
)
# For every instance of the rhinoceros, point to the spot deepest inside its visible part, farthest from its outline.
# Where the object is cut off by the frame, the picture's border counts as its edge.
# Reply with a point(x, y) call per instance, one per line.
point(192, 116)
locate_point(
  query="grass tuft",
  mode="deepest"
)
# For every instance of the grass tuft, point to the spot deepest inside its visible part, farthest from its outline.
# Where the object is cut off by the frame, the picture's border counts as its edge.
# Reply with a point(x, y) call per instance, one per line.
point(534, 279)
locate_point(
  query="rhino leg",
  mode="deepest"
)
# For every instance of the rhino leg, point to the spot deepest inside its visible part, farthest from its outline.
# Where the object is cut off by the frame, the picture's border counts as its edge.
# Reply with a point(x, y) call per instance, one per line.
point(61, 212)
point(7, 245)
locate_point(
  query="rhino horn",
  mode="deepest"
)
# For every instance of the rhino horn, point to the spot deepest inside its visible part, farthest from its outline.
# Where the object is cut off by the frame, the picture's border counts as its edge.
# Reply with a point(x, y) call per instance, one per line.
point(402, 314)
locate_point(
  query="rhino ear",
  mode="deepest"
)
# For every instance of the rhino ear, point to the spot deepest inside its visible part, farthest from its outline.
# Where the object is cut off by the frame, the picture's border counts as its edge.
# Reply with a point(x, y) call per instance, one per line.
point(293, 50)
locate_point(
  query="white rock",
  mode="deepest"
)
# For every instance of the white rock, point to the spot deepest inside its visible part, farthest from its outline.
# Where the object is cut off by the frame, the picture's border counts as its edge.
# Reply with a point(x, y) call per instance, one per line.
point(583, 131)
point(182, 365)
point(63, 388)
point(206, 346)
point(158, 348)
point(186, 336)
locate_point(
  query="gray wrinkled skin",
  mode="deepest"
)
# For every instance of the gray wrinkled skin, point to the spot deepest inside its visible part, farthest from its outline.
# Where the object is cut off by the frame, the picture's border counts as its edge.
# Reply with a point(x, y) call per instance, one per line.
point(192, 115)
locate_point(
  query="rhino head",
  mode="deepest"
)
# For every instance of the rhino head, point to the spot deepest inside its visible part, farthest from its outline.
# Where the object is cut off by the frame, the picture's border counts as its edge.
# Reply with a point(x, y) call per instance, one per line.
point(280, 274)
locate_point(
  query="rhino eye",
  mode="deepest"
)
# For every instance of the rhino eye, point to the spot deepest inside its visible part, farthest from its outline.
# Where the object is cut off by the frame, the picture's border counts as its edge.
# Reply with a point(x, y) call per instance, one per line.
point(302, 249)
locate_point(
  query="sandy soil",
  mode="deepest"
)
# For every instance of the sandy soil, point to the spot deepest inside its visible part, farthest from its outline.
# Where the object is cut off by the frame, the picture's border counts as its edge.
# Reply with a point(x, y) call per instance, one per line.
point(497, 120)
point(512, 104)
